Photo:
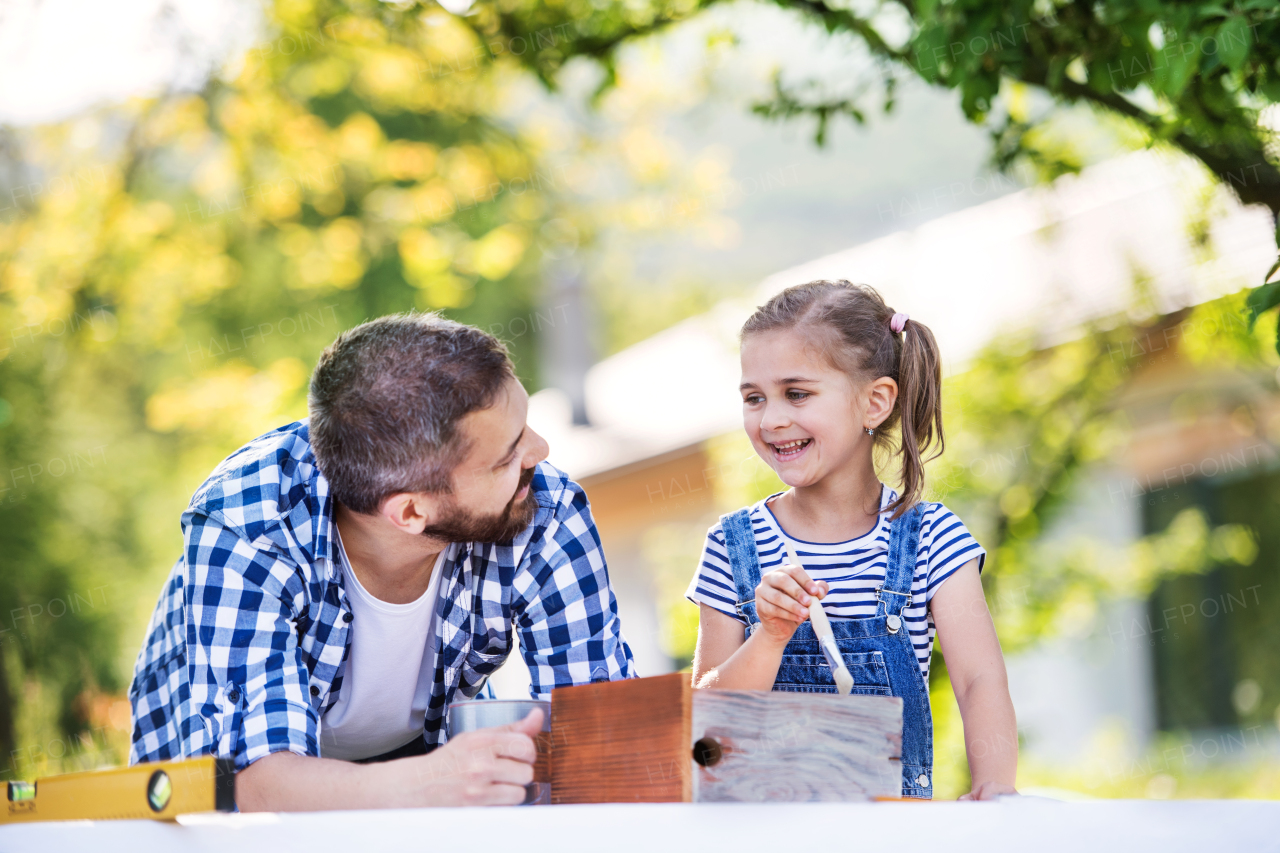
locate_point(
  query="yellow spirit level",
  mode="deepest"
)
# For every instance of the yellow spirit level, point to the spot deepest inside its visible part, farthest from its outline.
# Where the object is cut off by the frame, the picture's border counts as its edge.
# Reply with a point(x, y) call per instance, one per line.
point(160, 791)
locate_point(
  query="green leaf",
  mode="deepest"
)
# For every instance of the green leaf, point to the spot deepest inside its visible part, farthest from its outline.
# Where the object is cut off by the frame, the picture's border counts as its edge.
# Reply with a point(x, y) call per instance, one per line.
point(1263, 298)
point(977, 93)
point(1234, 39)
point(1181, 68)
point(1211, 11)
point(1057, 70)
point(1270, 90)
point(930, 51)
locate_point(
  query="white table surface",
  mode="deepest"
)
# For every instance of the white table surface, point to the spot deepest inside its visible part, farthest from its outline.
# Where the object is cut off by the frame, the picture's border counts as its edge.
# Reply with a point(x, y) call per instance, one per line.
point(1016, 825)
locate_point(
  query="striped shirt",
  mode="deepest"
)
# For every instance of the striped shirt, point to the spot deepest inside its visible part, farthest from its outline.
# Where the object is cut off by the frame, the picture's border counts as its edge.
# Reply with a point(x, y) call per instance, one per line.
point(853, 569)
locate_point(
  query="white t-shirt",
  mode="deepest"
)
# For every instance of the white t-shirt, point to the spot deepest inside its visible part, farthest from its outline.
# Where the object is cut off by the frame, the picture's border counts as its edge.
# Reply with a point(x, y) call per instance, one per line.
point(383, 698)
point(853, 569)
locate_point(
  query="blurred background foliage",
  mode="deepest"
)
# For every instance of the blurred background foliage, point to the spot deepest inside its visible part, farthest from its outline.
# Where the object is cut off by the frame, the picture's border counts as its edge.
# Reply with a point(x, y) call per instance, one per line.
point(172, 265)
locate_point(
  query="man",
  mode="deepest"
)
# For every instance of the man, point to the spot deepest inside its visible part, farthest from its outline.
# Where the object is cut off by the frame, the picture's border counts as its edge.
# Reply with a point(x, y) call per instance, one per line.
point(344, 579)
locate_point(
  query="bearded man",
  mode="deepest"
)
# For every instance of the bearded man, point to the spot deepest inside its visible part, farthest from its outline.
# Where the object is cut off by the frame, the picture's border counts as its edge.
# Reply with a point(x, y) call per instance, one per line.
point(345, 578)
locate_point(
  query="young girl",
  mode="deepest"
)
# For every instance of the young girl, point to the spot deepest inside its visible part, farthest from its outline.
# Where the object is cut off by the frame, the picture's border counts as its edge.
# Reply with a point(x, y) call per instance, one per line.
point(829, 372)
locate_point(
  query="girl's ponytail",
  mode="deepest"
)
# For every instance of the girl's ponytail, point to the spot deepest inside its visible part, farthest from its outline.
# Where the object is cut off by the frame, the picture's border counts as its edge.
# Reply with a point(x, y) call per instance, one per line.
point(920, 402)
point(863, 337)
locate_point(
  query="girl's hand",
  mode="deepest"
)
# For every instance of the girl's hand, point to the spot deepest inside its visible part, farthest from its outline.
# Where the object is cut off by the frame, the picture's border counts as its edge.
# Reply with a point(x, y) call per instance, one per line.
point(988, 791)
point(782, 601)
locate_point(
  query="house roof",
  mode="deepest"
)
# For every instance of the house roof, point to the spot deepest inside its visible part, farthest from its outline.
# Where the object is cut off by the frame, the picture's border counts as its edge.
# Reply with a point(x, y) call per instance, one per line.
point(1044, 258)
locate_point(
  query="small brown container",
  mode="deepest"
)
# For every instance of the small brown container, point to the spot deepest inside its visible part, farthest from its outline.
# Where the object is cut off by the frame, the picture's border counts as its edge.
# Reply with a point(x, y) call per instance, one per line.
point(657, 740)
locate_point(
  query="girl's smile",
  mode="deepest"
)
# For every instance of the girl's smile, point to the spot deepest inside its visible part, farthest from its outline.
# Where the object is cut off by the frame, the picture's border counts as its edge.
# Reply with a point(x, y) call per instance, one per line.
point(791, 450)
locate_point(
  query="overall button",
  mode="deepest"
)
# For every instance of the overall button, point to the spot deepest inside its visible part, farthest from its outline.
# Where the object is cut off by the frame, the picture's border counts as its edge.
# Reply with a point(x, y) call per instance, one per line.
point(923, 780)
point(894, 623)
point(315, 691)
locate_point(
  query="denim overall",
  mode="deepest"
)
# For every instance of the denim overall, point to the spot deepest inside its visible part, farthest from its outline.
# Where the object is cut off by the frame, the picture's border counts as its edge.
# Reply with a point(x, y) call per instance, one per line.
point(877, 649)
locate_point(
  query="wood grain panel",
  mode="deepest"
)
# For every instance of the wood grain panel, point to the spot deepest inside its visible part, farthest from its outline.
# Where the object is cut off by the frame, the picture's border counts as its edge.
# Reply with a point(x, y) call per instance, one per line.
point(797, 747)
point(542, 766)
point(622, 741)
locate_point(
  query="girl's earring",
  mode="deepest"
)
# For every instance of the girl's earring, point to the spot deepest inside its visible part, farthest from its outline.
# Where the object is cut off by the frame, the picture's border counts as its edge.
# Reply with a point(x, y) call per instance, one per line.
point(870, 430)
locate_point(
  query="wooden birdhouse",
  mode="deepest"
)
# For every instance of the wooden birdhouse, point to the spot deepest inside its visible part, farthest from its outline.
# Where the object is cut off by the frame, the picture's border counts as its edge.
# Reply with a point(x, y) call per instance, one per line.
point(657, 740)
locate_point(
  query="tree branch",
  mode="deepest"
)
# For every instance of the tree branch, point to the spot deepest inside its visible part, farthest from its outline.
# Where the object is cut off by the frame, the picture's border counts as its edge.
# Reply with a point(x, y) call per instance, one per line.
point(835, 19)
point(1254, 179)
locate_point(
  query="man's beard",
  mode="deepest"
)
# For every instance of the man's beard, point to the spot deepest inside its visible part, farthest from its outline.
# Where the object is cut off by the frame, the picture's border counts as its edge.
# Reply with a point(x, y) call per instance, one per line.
point(458, 525)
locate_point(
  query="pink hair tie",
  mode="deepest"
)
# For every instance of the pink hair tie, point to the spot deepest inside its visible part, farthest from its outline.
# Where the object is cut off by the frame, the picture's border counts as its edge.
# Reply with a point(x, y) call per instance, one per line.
point(899, 322)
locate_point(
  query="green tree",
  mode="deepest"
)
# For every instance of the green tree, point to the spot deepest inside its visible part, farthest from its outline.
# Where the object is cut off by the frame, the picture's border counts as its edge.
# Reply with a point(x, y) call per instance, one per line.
point(1197, 76)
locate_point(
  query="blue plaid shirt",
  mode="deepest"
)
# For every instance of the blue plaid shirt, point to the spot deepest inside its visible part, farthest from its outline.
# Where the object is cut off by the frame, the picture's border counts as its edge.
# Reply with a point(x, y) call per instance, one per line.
point(247, 646)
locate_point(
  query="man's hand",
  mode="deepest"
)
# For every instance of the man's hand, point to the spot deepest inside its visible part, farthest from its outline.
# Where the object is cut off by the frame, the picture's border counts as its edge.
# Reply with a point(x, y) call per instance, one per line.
point(487, 767)
point(988, 791)
point(782, 600)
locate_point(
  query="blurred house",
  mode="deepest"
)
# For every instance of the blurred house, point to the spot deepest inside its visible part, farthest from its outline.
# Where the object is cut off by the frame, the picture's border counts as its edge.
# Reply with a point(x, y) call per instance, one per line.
point(1045, 258)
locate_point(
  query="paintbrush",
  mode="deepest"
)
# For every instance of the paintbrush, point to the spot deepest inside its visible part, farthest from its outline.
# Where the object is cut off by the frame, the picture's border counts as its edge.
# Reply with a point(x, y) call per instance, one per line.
point(826, 639)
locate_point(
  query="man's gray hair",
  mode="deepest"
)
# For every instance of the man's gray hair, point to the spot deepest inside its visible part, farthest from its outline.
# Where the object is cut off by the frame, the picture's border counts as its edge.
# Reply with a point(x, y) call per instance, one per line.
point(386, 398)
